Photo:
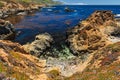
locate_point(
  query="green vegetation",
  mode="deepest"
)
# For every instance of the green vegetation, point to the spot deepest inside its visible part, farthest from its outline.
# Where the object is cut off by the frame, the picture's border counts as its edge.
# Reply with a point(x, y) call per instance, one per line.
point(63, 53)
point(1, 4)
point(48, 2)
point(36, 1)
point(9, 71)
point(114, 47)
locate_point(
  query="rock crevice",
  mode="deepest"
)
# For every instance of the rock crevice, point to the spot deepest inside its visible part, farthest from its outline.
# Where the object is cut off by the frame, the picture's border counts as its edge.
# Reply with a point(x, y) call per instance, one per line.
point(92, 33)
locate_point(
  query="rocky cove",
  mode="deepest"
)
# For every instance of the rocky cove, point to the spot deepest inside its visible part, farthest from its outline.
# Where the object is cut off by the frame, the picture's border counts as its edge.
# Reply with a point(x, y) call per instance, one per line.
point(82, 42)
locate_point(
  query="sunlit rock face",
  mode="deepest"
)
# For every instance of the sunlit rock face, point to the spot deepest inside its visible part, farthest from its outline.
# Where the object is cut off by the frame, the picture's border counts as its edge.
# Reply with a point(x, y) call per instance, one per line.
point(13, 7)
point(39, 45)
point(16, 62)
point(92, 33)
point(7, 30)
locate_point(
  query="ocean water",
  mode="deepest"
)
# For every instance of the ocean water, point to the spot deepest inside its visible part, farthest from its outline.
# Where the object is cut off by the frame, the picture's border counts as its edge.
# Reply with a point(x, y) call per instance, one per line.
point(55, 20)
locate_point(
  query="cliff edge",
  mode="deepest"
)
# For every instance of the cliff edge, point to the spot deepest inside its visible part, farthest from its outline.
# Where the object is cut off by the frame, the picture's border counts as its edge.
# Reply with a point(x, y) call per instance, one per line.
point(93, 33)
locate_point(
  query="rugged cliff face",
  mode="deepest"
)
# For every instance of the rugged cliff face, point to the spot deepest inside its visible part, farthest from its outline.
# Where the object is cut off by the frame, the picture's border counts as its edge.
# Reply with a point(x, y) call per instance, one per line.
point(18, 64)
point(98, 36)
point(93, 33)
point(104, 65)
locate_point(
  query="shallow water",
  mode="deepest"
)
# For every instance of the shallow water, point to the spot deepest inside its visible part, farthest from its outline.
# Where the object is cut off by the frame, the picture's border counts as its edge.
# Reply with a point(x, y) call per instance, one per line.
point(54, 20)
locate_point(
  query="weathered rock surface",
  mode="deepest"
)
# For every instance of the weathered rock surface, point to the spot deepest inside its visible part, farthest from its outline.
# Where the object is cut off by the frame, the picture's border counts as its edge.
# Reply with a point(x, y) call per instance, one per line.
point(39, 45)
point(104, 65)
point(93, 33)
point(7, 30)
point(10, 7)
point(15, 62)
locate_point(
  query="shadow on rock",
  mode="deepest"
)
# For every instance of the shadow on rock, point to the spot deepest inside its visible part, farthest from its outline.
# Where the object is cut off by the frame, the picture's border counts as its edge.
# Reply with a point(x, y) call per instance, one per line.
point(39, 45)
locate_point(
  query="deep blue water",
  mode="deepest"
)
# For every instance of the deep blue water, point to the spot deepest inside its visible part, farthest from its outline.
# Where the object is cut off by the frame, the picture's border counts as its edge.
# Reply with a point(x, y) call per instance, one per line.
point(55, 20)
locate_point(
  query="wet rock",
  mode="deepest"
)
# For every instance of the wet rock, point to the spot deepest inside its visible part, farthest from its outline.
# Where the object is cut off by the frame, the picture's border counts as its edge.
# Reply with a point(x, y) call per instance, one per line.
point(22, 13)
point(7, 30)
point(39, 45)
point(92, 34)
point(67, 9)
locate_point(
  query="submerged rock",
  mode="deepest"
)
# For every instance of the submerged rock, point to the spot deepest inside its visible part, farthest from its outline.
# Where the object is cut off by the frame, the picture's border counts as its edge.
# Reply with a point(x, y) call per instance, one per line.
point(7, 30)
point(67, 9)
point(92, 33)
point(39, 45)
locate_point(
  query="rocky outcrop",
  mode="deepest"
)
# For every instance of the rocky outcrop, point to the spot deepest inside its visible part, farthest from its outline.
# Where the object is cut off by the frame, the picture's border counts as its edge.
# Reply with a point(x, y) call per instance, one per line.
point(12, 7)
point(16, 63)
point(7, 30)
point(67, 9)
point(39, 45)
point(104, 65)
point(93, 33)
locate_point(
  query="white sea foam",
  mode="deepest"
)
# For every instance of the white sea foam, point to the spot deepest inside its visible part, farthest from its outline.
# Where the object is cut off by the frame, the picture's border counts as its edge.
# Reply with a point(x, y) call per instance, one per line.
point(49, 9)
point(117, 15)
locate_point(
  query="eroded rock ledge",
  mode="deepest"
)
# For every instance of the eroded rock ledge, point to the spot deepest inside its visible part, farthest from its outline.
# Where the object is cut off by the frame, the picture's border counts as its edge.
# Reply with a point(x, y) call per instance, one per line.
point(7, 30)
point(93, 33)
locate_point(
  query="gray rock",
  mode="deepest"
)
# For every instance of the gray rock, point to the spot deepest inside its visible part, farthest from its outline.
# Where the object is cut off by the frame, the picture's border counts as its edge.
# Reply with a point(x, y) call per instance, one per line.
point(39, 45)
point(1, 14)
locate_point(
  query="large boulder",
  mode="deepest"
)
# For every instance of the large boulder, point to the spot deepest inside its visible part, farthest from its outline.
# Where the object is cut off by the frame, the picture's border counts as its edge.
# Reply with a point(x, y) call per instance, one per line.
point(92, 34)
point(7, 30)
point(39, 45)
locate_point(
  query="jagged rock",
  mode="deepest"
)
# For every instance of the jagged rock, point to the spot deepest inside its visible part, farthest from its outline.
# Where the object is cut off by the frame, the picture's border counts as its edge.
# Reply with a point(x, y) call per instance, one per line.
point(92, 33)
point(14, 60)
point(39, 45)
point(7, 30)
point(12, 7)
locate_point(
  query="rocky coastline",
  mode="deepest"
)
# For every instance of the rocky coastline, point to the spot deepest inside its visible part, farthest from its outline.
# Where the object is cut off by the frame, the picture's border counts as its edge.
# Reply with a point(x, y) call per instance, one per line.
point(96, 34)
point(92, 33)
point(14, 8)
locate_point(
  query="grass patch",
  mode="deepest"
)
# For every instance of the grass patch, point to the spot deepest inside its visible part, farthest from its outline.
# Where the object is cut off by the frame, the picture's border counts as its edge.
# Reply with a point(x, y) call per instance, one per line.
point(1, 4)
point(114, 47)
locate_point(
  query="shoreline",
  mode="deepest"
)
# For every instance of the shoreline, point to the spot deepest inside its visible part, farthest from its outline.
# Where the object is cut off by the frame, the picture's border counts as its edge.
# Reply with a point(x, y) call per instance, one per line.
point(83, 45)
point(14, 8)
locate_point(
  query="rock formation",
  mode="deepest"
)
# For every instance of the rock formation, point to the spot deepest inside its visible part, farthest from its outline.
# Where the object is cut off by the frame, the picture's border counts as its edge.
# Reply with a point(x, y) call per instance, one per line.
point(10, 7)
point(7, 30)
point(67, 9)
point(98, 35)
point(93, 33)
point(39, 45)
point(16, 63)
point(104, 65)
